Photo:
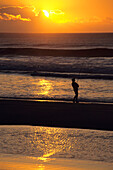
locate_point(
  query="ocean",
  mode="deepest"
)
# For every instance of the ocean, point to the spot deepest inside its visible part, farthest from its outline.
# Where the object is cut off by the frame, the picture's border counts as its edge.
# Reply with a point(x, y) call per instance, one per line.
point(54, 60)
point(40, 67)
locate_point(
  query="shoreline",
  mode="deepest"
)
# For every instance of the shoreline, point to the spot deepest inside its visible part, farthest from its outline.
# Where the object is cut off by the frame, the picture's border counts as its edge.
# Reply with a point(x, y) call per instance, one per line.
point(57, 114)
point(10, 161)
point(53, 100)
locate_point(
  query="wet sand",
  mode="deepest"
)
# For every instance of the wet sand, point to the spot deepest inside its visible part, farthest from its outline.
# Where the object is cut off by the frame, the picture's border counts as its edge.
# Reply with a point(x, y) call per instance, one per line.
point(9, 162)
point(58, 165)
point(56, 114)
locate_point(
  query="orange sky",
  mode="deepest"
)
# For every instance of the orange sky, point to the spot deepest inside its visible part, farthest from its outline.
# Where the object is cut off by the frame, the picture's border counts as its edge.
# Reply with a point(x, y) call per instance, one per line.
point(50, 16)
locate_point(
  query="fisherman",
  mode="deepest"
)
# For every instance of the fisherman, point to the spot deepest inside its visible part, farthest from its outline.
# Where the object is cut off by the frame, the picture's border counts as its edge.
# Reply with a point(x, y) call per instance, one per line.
point(75, 88)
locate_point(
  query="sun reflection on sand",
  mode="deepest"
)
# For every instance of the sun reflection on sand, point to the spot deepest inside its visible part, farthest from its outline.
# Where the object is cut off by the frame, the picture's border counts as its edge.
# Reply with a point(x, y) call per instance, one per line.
point(41, 167)
point(45, 157)
point(46, 148)
point(58, 164)
point(46, 141)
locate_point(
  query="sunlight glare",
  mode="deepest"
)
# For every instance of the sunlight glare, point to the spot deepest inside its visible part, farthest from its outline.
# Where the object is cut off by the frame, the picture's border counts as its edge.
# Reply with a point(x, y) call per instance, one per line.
point(46, 13)
point(45, 87)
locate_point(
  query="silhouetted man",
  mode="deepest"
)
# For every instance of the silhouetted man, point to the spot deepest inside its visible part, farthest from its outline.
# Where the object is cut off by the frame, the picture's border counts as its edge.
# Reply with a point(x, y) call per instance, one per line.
point(75, 88)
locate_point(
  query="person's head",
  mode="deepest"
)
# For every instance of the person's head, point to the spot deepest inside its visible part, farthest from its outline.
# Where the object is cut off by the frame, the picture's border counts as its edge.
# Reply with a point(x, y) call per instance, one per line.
point(73, 79)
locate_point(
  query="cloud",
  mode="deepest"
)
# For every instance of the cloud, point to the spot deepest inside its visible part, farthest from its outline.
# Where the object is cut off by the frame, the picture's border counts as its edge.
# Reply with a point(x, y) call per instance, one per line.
point(14, 10)
point(90, 20)
point(36, 17)
point(108, 20)
point(13, 13)
point(34, 10)
point(30, 13)
point(57, 12)
point(10, 17)
point(95, 19)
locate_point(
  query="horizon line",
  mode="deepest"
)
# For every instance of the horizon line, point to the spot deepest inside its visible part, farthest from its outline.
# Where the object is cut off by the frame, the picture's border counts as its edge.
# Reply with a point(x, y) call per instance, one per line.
point(56, 33)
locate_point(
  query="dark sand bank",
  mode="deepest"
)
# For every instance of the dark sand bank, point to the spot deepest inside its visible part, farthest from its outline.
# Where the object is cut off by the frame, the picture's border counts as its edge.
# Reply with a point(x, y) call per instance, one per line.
point(91, 116)
point(99, 52)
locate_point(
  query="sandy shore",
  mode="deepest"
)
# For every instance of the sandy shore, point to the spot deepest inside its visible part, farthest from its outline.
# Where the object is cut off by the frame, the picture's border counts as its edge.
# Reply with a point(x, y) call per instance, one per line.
point(9, 162)
point(54, 114)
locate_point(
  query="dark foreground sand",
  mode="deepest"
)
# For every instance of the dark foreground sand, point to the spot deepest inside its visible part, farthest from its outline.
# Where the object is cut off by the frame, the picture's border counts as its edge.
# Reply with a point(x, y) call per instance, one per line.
point(91, 116)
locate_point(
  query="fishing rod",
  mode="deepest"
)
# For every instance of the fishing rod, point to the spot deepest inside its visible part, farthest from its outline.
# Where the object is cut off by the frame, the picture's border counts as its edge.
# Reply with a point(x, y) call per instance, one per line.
point(86, 62)
point(81, 69)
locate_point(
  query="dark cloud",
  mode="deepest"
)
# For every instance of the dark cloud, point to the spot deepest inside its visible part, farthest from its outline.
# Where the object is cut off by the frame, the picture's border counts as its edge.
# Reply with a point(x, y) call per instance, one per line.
point(16, 13)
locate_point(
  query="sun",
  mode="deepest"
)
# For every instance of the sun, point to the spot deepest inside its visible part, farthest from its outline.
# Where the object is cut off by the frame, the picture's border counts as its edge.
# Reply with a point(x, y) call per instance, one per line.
point(46, 13)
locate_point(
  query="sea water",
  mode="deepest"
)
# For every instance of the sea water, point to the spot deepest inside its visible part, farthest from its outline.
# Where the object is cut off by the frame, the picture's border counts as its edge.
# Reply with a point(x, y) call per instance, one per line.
point(53, 81)
point(44, 143)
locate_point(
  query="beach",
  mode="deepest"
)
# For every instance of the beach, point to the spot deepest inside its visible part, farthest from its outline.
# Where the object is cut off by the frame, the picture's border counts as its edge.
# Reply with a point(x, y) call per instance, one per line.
point(46, 148)
point(30, 163)
point(57, 114)
point(40, 127)
point(56, 85)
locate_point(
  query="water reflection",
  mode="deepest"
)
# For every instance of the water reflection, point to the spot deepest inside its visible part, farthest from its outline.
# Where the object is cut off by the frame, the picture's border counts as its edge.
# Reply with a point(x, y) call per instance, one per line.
point(20, 86)
point(40, 167)
point(41, 146)
point(44, 86)
point(45, 157)
point(47, 144)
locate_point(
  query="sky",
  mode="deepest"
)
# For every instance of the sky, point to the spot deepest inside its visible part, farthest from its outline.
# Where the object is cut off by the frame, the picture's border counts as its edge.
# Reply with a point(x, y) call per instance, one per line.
point(56, 16)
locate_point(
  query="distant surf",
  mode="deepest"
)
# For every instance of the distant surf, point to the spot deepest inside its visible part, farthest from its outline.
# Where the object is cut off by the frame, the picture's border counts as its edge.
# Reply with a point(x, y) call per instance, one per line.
point(41, 66)
point(96, 52)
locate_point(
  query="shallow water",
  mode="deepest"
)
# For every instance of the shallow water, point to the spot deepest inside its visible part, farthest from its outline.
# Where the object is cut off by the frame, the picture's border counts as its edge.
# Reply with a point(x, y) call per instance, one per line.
point(43, 143)
point(50, 88)
point(54, 74)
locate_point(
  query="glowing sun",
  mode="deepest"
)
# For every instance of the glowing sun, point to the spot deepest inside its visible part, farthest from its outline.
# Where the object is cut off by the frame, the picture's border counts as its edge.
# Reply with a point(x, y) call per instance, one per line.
point(46, 13)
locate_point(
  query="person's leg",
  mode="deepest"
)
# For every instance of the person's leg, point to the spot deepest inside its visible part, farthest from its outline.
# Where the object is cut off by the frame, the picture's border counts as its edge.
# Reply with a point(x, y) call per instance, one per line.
point(77, 97)
point(74, 98)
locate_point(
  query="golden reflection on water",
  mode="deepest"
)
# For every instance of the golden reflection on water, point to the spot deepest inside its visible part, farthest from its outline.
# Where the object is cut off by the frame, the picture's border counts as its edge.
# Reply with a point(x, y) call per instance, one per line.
point(50, 142)
point(41, 167)
point(18, 86)
point(43, 87)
